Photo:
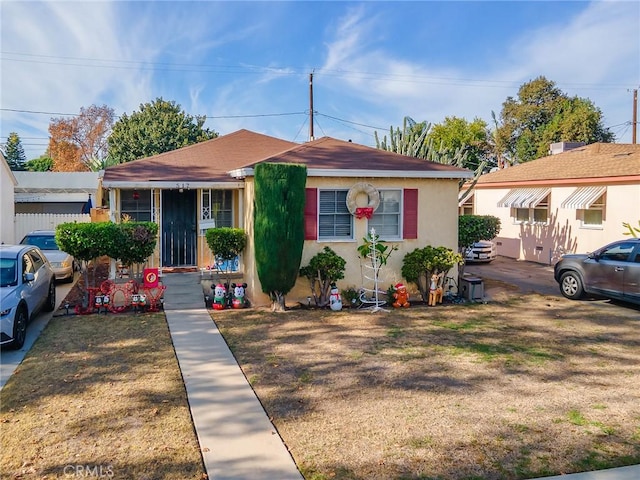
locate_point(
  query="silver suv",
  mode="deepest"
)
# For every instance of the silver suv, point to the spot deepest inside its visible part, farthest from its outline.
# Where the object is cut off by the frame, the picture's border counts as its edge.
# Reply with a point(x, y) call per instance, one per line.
point(612, 271)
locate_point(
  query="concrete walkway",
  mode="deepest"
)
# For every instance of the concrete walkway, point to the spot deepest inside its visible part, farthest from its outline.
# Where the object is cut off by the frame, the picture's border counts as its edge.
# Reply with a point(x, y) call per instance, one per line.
point(237, 439)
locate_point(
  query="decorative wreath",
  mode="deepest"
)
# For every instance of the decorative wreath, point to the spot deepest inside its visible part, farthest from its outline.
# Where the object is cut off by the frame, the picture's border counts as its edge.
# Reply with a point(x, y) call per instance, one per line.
point(372, 194)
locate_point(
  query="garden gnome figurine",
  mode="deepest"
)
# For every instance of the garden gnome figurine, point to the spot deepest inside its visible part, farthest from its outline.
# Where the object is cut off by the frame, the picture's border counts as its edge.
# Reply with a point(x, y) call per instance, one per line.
point(401, 296)
point(335, 302)
point(219, 297)
point(239, 300)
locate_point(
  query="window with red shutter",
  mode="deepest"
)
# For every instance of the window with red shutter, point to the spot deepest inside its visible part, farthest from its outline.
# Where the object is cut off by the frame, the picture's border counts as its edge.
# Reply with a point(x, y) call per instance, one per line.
point(311, 214)
point(410, 217)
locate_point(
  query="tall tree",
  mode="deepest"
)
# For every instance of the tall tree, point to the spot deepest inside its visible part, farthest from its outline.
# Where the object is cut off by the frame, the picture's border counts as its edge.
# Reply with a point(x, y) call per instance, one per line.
point(159, 126)
point(80, 143)
point(413, 140)
point(14, 152)
point(543, 114)
point(279, 227)
point(456, 133)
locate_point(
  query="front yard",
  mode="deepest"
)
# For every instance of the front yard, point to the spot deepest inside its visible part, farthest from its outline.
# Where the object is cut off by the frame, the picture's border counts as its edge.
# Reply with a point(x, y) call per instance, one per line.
point(511, 390)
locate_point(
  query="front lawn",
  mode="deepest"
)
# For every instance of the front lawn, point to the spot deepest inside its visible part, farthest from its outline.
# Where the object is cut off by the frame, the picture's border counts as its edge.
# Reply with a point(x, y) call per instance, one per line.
point(99, 396)
point(508, 390)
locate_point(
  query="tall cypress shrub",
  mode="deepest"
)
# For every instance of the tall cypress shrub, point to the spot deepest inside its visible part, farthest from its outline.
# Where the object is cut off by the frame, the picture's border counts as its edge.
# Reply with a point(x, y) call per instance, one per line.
point(279, 227)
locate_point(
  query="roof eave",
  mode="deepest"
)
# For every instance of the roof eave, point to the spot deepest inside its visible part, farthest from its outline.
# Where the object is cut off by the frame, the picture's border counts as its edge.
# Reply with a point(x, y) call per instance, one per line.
point(353, 173)
point(163, 185)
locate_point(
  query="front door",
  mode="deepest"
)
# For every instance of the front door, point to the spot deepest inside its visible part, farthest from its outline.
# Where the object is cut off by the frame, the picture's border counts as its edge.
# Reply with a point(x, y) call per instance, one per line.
point(179, 228)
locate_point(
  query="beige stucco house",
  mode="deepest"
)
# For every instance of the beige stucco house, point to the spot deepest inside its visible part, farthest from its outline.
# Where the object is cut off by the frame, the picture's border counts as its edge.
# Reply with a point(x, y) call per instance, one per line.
point(211, 184)
point(7, 211)
point(573, 201)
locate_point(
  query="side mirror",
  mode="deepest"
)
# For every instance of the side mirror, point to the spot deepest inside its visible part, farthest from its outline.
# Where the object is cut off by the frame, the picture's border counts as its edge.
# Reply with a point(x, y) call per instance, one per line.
point(28, 277)
point(594, 256)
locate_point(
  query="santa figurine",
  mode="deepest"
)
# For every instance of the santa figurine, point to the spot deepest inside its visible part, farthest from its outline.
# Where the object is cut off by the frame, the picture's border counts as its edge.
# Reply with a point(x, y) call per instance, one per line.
point(219, 297)
point(239, 300)
point(401, 296)
point(335, 302)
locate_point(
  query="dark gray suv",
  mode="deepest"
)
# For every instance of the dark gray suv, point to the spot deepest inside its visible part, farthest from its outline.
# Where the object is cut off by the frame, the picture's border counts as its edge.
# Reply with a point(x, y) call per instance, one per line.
point(612, 271)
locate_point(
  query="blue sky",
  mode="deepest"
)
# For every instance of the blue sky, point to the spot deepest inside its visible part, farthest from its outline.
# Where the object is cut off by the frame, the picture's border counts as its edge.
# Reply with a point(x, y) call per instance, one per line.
point(247, 64)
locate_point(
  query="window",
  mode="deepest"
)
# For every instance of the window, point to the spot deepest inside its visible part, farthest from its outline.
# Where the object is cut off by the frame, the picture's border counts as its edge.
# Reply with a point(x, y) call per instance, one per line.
point(594, 215)
point(618, 253)
point(538, 213)
point(136, 205)
point(334, 219)
point(466, 208)
point(217, 208)
point(386, 219)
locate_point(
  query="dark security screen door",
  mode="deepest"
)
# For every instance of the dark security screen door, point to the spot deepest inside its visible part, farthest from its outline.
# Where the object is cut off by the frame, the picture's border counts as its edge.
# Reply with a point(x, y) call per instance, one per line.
point(178, 228)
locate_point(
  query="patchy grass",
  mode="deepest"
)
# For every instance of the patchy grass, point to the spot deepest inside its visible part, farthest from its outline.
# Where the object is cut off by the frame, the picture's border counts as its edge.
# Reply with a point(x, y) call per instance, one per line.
point(528, 387)
point(99, 396)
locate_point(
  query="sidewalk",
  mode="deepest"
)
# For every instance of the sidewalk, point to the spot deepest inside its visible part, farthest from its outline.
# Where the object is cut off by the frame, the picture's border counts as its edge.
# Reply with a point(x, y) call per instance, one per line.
point(623, 473)
point(237, 439)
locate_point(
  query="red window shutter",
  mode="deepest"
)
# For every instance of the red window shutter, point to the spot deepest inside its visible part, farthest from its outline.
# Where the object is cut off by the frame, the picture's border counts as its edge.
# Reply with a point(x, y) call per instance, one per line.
point(410, 225)
point(311, 214)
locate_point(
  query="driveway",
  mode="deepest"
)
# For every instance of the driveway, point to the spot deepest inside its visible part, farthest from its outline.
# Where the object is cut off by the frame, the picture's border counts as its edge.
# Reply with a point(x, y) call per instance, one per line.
point(10, 359)
point(527, 276)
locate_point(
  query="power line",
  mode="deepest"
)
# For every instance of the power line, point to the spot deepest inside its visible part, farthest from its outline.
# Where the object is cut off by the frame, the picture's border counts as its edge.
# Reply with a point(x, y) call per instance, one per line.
point(286, 70)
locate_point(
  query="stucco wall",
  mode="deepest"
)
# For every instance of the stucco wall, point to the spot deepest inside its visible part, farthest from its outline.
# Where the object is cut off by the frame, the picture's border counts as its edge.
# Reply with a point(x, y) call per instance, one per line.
point(7, 211)
point(564, 233)
point(437, 226)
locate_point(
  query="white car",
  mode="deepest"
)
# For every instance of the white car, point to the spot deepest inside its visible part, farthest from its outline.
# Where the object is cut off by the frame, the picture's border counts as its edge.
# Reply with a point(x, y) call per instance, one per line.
point(63, 264)
point(481, 252)
point(27, 286)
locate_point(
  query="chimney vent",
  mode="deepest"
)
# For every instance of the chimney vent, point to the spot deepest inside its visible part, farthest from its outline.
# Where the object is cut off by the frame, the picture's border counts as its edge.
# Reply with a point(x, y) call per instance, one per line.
point(560, 147)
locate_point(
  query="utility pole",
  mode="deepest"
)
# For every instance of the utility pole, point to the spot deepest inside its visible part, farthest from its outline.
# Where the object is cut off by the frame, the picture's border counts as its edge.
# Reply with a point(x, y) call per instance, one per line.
point(311, 137)
point(634, 121)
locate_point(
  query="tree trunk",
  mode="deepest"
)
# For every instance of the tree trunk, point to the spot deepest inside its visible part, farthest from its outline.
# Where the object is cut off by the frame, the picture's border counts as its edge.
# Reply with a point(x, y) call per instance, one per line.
point(277, 302)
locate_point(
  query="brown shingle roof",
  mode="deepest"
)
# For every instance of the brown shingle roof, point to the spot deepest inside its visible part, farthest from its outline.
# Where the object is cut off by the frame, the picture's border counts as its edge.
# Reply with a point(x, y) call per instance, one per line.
point(202, 162)
point(211, 161)
point(331, 154)
point(598, 161)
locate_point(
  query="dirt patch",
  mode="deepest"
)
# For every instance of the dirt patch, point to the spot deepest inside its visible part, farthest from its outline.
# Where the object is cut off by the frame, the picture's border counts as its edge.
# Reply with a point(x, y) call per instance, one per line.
point(522, 388)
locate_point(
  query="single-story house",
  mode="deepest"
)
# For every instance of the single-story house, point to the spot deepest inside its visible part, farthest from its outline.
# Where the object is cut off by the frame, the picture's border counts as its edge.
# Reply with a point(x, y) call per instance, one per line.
point(211, 184)
point(572, 201)
point(7, 185)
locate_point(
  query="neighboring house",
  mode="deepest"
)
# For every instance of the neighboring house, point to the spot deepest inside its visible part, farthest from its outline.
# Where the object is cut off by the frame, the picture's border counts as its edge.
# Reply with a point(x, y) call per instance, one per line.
point(573, 201)
point(211, 184)
point(43, 200)
point(56, 192)
point(7, 186)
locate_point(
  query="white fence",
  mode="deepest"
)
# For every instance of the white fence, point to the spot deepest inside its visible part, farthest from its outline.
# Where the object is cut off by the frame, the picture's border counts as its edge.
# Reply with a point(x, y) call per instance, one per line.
point(27, 222)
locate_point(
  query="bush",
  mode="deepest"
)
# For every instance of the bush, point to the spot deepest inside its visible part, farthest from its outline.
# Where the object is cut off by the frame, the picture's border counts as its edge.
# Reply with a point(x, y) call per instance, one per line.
point(324, 268)
point(420, 264)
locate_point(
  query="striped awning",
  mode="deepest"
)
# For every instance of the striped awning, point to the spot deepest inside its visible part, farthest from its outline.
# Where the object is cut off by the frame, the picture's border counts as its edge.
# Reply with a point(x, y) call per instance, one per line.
point(583, 197)
point(524, 197)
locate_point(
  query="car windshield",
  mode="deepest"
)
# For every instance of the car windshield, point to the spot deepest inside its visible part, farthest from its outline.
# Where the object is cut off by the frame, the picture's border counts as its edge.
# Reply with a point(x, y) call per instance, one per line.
point(43, 242)
point(8, 272)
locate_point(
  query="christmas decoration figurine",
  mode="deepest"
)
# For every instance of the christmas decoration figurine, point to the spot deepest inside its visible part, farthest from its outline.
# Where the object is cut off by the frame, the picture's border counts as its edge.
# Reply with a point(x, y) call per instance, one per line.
point(335, 302)
point(219, 297)
point(239, 300)
point(401, 296)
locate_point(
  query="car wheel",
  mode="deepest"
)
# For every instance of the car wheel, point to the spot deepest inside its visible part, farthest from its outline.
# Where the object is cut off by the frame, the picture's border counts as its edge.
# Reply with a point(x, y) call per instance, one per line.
point(51, 298)
point(571, 285)
point(19, 328)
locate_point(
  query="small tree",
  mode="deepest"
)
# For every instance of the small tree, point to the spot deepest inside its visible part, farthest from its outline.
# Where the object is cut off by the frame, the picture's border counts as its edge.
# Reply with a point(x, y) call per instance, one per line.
point(324, 268)
point(14, 152)
point(226, 243)
point(278, 231)
point(137, 242)
point(85, 241)
point(420, 264)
